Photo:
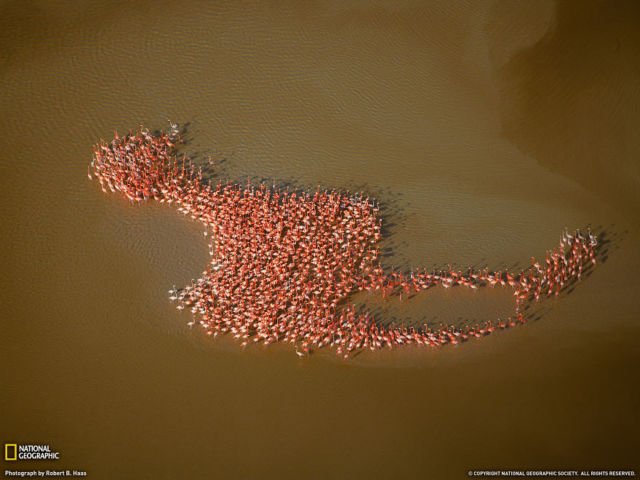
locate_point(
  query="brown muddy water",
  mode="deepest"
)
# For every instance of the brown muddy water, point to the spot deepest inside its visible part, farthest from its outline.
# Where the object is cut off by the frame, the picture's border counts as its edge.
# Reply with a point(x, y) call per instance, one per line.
point(484, 127)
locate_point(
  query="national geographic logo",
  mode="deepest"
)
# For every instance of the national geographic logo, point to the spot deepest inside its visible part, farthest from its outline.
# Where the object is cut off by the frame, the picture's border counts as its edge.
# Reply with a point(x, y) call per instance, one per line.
point(14, 451)
point(10, 452)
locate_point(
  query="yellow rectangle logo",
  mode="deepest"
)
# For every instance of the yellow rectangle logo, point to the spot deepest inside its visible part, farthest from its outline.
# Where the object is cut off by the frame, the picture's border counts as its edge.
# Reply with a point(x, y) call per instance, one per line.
point(10, 451)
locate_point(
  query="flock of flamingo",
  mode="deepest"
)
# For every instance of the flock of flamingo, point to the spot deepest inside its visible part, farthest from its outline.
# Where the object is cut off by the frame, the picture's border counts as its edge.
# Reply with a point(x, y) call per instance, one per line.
point(283, 263)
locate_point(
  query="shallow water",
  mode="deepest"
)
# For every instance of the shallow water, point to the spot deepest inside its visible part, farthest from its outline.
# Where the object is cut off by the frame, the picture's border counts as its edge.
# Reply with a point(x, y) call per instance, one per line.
point(484, 128)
